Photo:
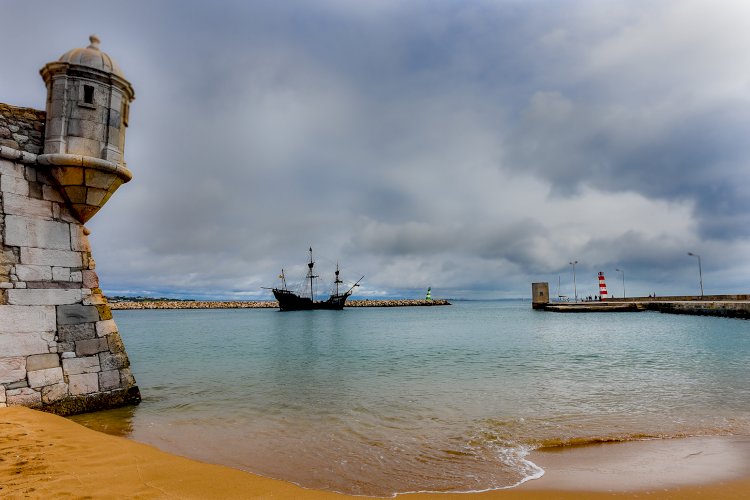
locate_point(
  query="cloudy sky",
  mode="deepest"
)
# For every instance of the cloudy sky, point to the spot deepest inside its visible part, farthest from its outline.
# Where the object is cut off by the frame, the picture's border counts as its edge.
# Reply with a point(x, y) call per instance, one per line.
point(471, 146)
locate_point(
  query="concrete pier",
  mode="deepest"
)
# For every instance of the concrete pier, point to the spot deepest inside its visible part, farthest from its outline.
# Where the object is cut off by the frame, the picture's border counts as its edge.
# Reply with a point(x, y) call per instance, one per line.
point(729, 306)
point(726, 308)
point(581, 307)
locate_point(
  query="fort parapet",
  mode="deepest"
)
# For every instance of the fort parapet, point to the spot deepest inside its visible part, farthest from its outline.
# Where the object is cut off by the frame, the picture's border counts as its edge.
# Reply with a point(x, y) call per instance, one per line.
point(60, 349)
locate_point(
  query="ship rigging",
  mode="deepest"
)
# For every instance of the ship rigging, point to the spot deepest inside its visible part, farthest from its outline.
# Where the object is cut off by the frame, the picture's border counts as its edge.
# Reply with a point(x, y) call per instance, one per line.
point(291, 301)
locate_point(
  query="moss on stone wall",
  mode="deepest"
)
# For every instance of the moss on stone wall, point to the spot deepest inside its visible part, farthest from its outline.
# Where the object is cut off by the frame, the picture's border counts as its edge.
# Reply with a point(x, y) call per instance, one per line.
point(94, 402)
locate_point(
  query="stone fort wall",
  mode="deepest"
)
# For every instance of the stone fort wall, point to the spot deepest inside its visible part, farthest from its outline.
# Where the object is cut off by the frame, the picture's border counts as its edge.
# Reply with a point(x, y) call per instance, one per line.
point(22, 128)
point(60, 349)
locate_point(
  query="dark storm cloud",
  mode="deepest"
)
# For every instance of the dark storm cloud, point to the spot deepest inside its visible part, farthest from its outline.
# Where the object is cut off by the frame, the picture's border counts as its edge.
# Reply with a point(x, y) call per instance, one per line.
point(471, 146)
point(698, 156)
point(657, 106)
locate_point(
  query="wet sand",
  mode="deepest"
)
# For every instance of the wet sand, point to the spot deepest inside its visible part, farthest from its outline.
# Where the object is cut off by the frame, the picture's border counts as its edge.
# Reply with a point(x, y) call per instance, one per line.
point(42, 456)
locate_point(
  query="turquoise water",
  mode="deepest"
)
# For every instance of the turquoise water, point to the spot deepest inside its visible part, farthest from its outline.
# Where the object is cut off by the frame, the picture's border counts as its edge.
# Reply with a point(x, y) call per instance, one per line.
point(384, 400)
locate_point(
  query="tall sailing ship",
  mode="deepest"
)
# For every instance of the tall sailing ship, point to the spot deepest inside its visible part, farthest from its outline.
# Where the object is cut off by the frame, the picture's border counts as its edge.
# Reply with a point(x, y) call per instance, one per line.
point(291, 301)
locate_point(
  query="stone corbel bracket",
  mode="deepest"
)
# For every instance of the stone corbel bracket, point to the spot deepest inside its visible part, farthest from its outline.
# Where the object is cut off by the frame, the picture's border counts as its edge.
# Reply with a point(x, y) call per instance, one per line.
point(85, 182)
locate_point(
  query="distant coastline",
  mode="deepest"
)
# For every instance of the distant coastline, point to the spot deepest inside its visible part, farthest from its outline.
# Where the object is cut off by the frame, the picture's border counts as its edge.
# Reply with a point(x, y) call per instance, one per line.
point(116, 304)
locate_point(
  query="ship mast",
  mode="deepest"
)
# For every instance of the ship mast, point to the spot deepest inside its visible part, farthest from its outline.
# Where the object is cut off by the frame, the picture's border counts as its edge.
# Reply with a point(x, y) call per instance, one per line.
point(310, 275)
point(337, 279)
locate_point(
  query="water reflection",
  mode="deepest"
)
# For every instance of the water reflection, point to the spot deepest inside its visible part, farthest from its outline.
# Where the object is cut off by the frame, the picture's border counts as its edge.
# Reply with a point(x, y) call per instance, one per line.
point(118, 422)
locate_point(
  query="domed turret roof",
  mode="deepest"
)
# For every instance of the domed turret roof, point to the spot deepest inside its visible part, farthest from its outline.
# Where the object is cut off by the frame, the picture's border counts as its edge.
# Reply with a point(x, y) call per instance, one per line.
point(92, 57)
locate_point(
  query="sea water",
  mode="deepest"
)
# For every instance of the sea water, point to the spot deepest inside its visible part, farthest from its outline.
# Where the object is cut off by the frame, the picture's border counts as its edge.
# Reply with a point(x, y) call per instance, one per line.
point(380, 401)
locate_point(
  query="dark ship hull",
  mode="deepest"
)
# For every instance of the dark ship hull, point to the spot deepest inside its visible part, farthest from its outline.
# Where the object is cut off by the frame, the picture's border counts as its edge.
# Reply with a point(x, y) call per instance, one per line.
point(290, 301)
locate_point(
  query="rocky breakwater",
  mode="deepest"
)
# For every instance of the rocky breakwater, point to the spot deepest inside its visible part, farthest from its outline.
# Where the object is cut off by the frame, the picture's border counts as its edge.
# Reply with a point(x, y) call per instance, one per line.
point(192, 304)
point(397, 303)
point(261, 304)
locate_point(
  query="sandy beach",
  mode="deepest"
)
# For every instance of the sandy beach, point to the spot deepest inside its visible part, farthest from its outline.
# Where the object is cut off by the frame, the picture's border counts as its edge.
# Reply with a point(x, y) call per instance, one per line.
point(43, 456)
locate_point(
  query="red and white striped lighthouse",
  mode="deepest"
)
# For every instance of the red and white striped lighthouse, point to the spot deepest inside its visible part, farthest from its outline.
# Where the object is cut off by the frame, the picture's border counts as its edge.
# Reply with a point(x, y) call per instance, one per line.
point(602, 287)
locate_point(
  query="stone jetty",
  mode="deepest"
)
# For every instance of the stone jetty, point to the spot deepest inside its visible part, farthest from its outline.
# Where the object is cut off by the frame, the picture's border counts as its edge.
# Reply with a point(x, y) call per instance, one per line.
point(724, 308)
point(729, 306)
point(727, 309)
point(262, 304)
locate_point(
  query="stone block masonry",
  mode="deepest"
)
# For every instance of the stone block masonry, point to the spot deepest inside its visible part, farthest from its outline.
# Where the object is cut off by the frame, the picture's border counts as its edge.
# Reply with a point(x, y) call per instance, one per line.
point(60, 350)
point(22, 128)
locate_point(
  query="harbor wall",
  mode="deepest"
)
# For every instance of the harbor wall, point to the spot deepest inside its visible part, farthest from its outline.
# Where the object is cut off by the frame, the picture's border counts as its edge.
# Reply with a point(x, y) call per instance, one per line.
point(60, 349)
point(683, 298)
point(723, 308)
point(726, 305)
point(728, 309)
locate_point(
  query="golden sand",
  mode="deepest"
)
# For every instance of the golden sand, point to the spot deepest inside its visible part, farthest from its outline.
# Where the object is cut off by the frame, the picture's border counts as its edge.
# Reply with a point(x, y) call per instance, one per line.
point(45, 456)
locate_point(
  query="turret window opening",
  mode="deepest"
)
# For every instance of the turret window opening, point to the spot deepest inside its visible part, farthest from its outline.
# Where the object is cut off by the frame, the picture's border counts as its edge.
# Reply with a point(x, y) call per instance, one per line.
point(88, 94)
point(125, 113)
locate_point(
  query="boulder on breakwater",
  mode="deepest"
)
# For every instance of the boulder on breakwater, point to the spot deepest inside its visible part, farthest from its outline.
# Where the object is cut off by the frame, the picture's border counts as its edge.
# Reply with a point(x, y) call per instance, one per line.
point(261, 304)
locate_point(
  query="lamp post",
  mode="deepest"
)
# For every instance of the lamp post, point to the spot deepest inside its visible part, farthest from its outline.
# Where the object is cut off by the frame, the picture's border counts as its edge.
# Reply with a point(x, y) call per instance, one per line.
point(623, 281)
point(575, 290)
point(700, 271)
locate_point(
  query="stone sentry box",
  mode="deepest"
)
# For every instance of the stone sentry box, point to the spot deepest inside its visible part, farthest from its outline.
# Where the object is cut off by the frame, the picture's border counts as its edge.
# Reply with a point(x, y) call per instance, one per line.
point(539, 295)
point(60, 349)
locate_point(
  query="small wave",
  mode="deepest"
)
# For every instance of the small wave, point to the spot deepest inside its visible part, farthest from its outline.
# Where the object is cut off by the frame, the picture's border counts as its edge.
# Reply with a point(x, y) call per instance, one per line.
point(457, 453)
point(550, 433)
point(509, 456)
point(554, 443)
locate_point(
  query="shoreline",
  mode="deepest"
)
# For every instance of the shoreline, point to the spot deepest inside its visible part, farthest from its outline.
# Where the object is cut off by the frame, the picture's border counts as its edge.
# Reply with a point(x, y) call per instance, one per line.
point(648, 465)
point(262, 304)
point(45, 455)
